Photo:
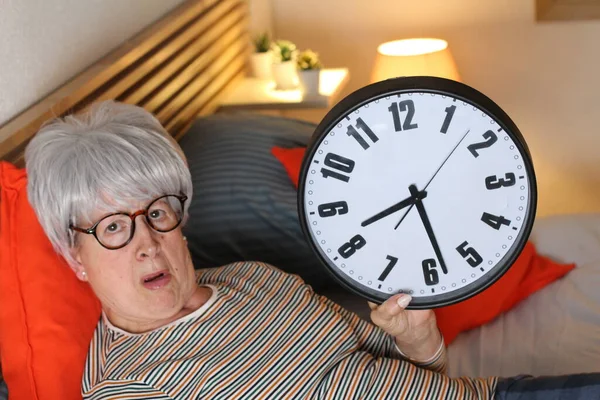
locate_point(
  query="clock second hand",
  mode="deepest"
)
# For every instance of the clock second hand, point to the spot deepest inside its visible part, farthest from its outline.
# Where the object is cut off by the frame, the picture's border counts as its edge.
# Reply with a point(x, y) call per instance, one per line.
point(431, 179)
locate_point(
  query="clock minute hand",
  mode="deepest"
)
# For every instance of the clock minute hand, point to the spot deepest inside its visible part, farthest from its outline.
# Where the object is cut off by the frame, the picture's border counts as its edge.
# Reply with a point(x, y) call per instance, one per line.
point(409, 201)
point(430, 234)
point(436, 172)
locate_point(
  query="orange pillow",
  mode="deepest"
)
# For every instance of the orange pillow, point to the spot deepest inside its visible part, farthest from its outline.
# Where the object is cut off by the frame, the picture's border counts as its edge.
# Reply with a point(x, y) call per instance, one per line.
point(528, 274)
point(47, 316)
point(291, 160)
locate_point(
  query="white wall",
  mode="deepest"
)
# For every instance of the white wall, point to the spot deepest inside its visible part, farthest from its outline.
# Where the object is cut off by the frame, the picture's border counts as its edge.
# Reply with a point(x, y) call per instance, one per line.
point(544, 75)
point(45, 43)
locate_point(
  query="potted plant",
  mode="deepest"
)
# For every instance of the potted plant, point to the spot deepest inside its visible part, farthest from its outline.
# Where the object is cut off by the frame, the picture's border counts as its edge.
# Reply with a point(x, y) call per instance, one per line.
point(284, 64)
point(309, 67)
point(261, 60)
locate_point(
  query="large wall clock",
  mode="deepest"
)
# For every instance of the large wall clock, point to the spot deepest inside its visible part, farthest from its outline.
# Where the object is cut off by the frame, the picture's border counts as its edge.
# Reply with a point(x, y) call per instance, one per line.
point(420, 185)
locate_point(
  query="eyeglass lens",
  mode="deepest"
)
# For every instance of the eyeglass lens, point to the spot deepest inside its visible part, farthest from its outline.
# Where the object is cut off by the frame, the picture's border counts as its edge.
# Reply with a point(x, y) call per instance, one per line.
point(163, 215)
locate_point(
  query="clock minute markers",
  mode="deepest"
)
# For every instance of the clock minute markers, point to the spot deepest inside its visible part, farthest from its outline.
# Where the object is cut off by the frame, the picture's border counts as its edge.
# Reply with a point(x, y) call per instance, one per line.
point(434, 175)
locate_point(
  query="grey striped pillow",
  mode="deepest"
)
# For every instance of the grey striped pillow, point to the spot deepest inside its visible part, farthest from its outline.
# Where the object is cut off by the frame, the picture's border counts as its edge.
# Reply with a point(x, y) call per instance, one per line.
point(244, 204)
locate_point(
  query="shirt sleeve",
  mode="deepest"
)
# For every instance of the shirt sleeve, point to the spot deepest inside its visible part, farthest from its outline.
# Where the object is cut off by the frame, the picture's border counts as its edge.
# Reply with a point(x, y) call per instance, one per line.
point(375, 341)
point(362, 376)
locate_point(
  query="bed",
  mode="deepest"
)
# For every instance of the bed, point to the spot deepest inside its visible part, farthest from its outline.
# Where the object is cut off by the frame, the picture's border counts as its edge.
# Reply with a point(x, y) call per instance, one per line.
point(245, 205)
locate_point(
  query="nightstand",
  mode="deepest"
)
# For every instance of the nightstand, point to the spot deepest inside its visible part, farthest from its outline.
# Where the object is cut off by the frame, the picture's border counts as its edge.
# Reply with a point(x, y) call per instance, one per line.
point(257, 94)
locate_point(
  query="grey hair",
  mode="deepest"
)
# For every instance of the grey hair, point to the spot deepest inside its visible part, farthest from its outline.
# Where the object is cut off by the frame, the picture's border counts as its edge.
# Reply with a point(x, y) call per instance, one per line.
point(101, 159)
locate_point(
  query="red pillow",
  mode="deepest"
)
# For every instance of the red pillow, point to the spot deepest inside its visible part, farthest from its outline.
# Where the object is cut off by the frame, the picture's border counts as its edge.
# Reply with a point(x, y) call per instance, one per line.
point(47, 316)
point(291, 160)
point(530, 273)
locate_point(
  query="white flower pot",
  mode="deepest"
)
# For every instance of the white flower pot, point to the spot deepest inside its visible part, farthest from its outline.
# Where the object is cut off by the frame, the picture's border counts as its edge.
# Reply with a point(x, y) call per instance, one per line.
point(261, 65)
point(285, 75)
point(309, 81)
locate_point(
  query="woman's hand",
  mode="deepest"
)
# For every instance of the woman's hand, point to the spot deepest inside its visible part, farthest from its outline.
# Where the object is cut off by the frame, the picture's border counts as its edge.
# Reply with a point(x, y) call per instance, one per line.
point(415, 331)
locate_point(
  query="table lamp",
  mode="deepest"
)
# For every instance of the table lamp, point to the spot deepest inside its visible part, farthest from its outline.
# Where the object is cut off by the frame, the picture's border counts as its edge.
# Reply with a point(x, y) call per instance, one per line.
point(409, 57)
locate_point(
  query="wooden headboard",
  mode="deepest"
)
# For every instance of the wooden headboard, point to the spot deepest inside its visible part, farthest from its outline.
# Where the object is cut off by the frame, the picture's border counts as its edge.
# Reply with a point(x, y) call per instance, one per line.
point(178, 68)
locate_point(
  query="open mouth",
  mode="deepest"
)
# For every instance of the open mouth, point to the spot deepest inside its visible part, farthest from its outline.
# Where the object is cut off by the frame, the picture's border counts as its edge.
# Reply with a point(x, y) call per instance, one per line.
point(156, 280)
point(154, 277)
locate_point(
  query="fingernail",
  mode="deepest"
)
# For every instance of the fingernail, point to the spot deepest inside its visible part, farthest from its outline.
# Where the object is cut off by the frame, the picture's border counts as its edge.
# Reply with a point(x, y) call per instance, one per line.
point(404, 300)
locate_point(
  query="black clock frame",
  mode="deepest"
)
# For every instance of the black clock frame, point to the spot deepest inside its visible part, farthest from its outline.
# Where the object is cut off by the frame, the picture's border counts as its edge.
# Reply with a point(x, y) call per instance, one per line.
point(427, 84)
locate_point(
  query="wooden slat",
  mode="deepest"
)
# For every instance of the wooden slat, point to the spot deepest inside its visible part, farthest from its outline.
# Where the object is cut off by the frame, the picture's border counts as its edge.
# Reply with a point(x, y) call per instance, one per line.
point(158, 68)
point(133, 75)
point(205, 103)
point(208, 107)
point(142, 93)
point(17, 157)
point(210, 87)
point(211, 106)
point(199, 62)
point(163, 56)
point(216, 60)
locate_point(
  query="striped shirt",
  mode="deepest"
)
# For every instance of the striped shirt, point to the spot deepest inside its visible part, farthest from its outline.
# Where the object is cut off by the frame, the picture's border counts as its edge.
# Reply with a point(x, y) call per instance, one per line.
point(264, 334)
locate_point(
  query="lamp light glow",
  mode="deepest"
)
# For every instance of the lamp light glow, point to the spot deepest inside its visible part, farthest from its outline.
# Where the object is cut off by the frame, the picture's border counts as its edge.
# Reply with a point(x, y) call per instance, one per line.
point(410, 57)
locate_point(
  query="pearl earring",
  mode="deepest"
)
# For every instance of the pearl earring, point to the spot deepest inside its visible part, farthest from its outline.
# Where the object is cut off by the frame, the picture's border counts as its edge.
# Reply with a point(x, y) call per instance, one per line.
point(84, 275)
point(185, 239)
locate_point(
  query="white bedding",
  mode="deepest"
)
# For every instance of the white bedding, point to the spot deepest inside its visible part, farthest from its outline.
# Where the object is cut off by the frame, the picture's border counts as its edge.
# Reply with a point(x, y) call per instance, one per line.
point(554, 331)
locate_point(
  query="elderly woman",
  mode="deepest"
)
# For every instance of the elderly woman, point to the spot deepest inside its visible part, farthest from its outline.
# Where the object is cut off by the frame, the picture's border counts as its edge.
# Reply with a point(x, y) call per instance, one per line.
point(111, 189)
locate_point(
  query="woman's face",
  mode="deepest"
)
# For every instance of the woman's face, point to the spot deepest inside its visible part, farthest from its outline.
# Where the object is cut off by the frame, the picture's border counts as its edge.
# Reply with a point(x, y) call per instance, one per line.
point(143, 285)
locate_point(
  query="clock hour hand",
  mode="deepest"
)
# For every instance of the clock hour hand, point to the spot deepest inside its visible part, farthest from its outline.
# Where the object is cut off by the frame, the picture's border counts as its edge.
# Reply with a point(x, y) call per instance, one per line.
point(409, 201)
point(427, 224)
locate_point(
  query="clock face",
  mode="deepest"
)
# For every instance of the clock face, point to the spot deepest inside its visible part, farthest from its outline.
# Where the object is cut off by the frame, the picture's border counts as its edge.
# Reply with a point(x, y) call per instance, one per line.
point(427, 190)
